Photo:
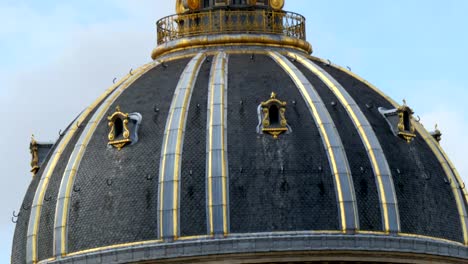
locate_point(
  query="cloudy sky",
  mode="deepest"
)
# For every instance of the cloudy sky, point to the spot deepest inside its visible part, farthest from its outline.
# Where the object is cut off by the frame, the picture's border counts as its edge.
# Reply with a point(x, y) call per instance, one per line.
point(58, 56)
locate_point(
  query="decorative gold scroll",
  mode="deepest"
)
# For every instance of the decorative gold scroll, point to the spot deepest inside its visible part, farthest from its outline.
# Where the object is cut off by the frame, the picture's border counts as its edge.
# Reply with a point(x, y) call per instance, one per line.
point(274, 130)
point(406, 129)
point(121, 140)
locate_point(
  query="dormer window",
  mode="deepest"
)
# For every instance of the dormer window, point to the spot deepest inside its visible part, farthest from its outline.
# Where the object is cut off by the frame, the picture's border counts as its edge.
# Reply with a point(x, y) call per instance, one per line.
point(39, 152)
point(123, 128)
point(400, 121)
point(436, 134)
point(272, 119)
point(405, 128)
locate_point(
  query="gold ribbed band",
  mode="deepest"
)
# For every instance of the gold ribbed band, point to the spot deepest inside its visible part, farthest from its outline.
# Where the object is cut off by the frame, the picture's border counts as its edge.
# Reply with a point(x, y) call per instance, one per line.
point(455, 180)
point(68, 179)
point(346, 198)
point(266, 40)
point(384, 180)
point(216, 148)
point(171, 155)
point(36, 209)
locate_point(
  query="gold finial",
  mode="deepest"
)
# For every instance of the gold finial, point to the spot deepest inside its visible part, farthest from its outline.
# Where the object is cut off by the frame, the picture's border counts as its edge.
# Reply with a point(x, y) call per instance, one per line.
point(273, 95)
point(117, 108)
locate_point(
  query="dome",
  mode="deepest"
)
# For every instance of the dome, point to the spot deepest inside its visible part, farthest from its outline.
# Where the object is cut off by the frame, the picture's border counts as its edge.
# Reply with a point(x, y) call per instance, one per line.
point(236, 144)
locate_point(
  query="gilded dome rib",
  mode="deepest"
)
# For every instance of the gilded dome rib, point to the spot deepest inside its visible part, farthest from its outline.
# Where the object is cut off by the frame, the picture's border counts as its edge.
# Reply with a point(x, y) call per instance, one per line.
point(333, 145)
point(33, 227)
point(169, 174)
point(384, 181)
point(216, 148)
point(454, 178)
point(66, 186)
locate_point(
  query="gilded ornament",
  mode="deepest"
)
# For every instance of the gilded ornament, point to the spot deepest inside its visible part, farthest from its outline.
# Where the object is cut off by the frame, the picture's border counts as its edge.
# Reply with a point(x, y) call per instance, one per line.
point(406, 130)
point(34, 149)
point(273, 116)
point(277, 4)
point(252, 2)
point(193, 4)
point(119, 134)
point(180, 7)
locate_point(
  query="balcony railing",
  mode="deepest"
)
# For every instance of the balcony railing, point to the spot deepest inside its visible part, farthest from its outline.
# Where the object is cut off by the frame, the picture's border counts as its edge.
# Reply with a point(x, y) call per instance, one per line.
point(231, 22)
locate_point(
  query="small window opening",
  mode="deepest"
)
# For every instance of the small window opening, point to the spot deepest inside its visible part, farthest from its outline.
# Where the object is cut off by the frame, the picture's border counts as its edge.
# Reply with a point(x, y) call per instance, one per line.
point(118, 127)
point(274, 115)
point(406, 121)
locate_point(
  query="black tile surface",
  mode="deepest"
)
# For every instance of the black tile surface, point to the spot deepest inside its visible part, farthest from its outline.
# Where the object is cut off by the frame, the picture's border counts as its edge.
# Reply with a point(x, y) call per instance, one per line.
point(263, 198)
point(192, 192)
point(370, 217)
point(426, 203)
point(125, 211)
point(18, 254)
point(45, 236)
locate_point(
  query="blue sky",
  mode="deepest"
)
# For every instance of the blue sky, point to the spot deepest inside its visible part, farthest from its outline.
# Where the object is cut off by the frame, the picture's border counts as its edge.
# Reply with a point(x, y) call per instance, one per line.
point(58, 56)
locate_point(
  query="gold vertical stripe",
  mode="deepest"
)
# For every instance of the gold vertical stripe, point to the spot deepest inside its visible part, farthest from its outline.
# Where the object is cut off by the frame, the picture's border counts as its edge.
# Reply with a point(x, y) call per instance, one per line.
point(319, 121)
point(195, 64)
point(161, 184)
point(361, 131)
point(77, 160)
point(220, 58)
point(194, 74)
point(210, 138)
point(435, 147)
point(62, 145)
point(223, 158)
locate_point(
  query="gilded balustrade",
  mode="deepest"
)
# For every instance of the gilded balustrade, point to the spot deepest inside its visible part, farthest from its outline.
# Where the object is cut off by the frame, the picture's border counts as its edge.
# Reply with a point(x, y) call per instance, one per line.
point(231, 22)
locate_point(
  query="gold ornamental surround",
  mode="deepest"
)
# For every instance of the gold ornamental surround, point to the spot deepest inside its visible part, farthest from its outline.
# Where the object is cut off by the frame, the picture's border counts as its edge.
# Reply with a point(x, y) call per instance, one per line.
point(119, 139)
point(406, 129)
point(274, 129)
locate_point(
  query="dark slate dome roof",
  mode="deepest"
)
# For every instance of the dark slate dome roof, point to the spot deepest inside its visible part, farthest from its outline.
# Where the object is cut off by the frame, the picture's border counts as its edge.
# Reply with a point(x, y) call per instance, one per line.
point(214, 164)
